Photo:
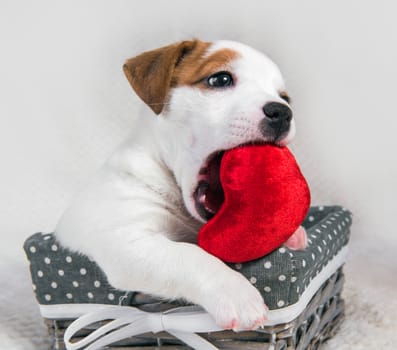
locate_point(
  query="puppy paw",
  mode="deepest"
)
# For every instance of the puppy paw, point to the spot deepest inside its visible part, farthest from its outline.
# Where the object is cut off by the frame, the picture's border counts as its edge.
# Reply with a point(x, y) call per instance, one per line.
point(238, 306)
point(298, 240)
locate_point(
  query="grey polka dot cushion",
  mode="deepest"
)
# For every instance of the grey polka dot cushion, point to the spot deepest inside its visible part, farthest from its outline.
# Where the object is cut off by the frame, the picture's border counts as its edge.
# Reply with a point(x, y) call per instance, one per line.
point(284, 277)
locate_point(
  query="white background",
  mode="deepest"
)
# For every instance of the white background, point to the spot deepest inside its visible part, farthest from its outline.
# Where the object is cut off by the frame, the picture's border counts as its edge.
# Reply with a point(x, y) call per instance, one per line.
point(65, 105)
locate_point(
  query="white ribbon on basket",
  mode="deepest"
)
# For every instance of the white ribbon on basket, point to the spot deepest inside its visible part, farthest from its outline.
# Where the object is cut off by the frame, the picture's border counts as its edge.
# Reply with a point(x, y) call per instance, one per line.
point(182, 323)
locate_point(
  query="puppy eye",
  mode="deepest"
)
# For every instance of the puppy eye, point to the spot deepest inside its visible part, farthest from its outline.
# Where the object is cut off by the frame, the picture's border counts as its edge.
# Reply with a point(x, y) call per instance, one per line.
point(285, 97)
point(220, 79)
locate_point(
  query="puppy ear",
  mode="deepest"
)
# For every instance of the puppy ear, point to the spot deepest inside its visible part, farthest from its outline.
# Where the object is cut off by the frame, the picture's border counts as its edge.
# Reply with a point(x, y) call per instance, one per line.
point(150, 74)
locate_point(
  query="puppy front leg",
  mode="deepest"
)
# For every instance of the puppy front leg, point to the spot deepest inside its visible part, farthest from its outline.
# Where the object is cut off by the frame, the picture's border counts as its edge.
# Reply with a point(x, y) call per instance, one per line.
point(156, 265)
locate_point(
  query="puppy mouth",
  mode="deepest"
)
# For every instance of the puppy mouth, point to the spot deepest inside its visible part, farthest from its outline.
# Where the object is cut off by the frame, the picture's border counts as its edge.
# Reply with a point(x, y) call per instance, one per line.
point(208, 196)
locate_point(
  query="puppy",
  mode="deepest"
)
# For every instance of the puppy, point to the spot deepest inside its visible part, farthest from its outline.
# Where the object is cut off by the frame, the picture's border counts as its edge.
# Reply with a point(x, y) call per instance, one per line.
point(140, 216)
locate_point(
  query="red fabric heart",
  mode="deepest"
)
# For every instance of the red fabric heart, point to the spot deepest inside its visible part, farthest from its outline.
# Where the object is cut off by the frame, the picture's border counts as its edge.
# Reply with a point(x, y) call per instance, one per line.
point(266, 198)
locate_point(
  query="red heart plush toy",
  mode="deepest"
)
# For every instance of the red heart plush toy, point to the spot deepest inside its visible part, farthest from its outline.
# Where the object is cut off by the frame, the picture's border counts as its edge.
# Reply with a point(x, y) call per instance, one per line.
point(266, 198)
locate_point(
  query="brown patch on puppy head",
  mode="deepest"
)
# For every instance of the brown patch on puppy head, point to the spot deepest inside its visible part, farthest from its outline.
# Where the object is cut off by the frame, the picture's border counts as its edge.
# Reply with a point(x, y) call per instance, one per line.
point(195, 69)
point(153, 73)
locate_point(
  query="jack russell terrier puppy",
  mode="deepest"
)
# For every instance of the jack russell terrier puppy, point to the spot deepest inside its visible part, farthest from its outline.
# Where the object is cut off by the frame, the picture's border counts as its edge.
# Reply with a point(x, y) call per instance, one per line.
point(140, 216)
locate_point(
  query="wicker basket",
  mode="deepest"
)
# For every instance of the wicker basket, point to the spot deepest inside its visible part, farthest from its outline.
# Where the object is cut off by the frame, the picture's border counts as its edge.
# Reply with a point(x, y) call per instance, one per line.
point(312, 279)
point(318, 322)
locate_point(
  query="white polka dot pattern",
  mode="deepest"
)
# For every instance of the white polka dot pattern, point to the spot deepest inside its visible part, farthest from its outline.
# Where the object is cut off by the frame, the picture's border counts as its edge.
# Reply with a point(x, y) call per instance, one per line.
point(56, 272)
point(275, 274)
point(61, 276)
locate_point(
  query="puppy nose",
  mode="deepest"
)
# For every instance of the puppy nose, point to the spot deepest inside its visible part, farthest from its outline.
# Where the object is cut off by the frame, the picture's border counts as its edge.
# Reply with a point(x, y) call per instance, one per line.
point(277, 112)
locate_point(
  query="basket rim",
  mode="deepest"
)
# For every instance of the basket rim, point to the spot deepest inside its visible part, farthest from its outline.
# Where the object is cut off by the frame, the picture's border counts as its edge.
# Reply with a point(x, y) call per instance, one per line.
point(275, 317)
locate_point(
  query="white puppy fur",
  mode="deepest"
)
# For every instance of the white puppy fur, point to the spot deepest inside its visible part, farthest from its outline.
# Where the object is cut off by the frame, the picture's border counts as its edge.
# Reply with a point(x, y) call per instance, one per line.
point(138, 219)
